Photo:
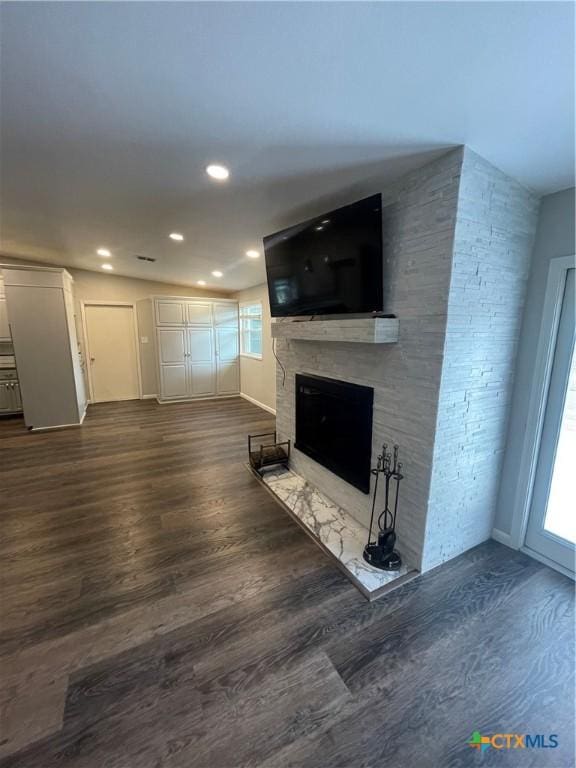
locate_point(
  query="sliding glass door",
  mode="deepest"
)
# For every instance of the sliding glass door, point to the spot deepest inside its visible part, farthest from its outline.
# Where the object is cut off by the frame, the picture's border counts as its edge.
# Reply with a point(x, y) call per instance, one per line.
point(551, 530)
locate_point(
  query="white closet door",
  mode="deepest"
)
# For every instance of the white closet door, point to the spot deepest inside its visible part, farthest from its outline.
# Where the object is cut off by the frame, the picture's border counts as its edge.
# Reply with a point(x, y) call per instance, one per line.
point(199, 313)
point(169, 312)
point(174, 380)
point(201, 361)
point(227, 366)
point(172, 345)
point(173, 362)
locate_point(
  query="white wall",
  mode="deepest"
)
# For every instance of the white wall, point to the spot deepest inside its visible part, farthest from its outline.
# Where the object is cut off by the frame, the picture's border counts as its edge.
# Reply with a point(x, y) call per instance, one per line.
point(258, 377)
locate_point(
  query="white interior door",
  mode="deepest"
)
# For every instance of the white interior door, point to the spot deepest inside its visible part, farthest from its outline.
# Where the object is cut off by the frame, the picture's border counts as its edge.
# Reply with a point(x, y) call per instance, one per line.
point(552, 521)
point(201, 361)
point(112, 352)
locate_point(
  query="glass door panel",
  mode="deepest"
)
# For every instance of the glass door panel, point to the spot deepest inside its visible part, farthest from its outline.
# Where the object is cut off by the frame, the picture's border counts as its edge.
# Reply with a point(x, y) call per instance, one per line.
point(552, 522)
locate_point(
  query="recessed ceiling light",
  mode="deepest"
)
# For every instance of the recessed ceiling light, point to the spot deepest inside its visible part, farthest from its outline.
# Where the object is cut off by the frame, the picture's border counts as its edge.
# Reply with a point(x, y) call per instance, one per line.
point(218, 172)
point(109, 267)
point(201, 282)
point(252, 254)
point(176, 236)
point(217, 273)
point(104, 252)
point(326, 221)
point(318, 229)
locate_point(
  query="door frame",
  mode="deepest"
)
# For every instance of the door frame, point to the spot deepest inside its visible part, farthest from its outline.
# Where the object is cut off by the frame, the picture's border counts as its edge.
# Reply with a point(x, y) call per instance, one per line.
point(100, 303)
point(546, 347)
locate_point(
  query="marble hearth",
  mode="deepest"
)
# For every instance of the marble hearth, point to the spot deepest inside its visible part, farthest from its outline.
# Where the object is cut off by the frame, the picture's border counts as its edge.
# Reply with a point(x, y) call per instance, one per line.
point(338, 533)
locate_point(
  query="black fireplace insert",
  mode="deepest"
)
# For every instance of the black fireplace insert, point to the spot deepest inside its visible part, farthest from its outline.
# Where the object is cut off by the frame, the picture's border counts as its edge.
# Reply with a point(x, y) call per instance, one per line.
point(334, 426)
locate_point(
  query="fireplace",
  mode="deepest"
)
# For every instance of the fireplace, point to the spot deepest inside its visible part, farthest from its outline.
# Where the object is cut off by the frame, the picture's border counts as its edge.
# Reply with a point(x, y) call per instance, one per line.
point(334, 426)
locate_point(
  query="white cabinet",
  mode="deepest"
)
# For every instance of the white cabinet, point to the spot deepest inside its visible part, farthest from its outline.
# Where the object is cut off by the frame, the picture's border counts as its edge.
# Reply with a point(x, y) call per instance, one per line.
point(183, 312)
point(198, 351)
point(174, 381)
point(10, 401)
point(227, 358)
point(201, 360)
point(172, 345)
point(170, 312)
point(5, 397)
point(226, 314)
point(199, 313)
point(4, 326)
point(228, 367)
point(200, 345)
point(173, 362)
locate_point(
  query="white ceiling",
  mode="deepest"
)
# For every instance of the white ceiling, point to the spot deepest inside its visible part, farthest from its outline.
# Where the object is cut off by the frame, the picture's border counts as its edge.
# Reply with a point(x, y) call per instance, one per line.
point(111, 111)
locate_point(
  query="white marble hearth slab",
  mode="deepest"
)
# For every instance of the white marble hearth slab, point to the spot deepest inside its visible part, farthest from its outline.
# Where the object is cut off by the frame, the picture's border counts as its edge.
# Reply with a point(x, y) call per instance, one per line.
point(331, 526)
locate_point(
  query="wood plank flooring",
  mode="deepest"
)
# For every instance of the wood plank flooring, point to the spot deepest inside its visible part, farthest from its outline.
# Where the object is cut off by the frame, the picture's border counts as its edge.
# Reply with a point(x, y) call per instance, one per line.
point(159, 609)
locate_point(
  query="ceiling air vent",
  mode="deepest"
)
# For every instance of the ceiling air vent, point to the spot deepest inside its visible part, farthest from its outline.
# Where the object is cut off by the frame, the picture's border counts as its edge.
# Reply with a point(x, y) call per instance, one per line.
point(145, 258)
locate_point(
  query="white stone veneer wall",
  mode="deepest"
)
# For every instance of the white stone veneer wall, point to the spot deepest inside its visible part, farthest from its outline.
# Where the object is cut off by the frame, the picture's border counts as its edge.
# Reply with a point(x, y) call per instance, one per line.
point(419, 221)
point(495, 228)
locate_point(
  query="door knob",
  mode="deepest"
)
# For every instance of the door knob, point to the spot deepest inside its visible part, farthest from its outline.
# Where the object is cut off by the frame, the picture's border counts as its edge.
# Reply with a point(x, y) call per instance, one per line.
point(92, 359)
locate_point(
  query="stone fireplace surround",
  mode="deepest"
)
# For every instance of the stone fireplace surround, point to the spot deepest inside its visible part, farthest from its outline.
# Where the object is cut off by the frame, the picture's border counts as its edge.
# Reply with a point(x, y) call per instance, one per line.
point(458, 236)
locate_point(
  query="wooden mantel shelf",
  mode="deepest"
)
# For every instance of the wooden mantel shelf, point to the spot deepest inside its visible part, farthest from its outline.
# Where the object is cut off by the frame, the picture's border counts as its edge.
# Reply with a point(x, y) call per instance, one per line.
point(365, 330)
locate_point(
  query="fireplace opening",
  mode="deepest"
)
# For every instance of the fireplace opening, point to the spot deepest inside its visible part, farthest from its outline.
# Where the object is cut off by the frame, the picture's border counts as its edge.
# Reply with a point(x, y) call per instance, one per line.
point(334, 426)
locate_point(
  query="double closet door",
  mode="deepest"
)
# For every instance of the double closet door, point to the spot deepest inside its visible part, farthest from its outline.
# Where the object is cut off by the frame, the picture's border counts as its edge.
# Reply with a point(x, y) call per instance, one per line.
point(197, 348)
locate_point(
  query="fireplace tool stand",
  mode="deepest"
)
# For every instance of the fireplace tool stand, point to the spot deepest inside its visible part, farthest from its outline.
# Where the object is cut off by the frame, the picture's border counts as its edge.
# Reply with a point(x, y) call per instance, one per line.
point(380, 553)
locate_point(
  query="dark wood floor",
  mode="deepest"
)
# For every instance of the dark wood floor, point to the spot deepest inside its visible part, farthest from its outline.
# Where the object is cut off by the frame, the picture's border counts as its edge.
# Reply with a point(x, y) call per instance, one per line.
point(160, 610)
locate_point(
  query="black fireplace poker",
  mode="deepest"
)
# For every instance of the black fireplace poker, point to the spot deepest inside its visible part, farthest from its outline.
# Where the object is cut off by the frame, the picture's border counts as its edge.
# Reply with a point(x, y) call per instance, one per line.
point(380, 553)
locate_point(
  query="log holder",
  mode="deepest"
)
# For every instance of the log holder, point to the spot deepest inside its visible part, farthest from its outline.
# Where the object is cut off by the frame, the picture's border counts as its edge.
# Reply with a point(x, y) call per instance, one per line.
point(267, 454)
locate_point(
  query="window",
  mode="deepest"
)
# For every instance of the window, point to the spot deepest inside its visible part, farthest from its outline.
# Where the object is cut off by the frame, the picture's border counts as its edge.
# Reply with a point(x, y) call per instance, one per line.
point(251, 330)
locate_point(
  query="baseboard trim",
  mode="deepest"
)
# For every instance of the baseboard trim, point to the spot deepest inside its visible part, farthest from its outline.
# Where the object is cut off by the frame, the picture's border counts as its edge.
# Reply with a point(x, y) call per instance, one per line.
point(149, 397)
point(195, 399)
point(258, 403)
point(502, 538)
point(55, 427)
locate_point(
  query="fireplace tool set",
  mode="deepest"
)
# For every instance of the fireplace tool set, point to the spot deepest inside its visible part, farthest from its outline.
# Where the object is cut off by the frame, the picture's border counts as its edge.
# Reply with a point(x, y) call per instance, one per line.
point(380, 552)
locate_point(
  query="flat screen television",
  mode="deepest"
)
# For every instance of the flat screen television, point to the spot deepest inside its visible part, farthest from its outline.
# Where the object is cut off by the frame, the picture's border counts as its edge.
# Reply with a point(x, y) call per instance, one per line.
point(328, 265)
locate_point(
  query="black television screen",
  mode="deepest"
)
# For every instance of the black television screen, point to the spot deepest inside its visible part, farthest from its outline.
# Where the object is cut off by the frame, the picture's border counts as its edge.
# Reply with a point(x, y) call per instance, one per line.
point(329, 265)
